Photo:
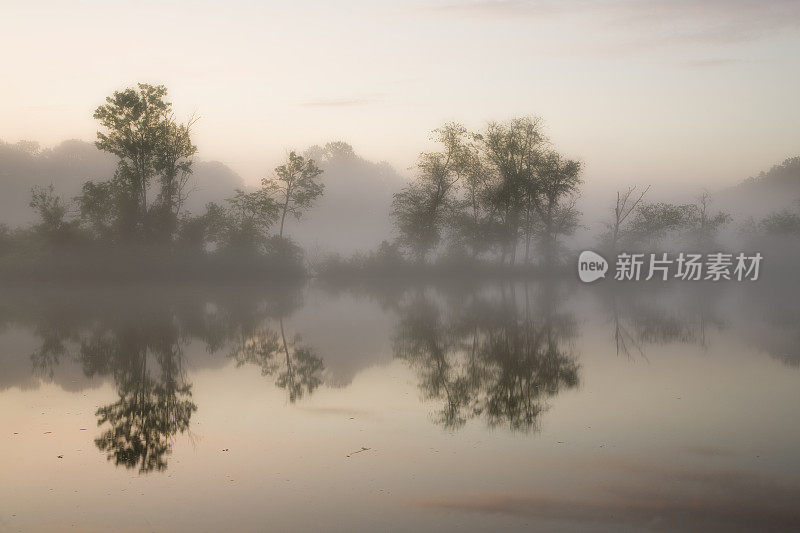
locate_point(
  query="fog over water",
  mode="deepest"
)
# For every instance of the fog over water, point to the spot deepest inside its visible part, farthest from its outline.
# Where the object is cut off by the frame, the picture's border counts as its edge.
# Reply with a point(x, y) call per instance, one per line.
point(439, 265)
point(450, 407)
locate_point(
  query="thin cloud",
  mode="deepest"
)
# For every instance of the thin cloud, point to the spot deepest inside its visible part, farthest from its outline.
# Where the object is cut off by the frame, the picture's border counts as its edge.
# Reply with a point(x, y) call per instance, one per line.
point(499, 8)
point(338, 102)
point(712, 63)
point(658, 22)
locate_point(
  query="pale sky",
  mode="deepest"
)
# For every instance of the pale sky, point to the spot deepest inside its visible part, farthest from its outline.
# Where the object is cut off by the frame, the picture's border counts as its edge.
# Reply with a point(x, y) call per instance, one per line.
point(642, 92)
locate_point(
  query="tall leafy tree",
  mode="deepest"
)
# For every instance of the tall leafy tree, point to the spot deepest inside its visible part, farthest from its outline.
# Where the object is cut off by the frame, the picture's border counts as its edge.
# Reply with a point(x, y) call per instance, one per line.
point(420, 210)
point(295, 186)
point(513, 150)
point(488, 191)
point(140, 129)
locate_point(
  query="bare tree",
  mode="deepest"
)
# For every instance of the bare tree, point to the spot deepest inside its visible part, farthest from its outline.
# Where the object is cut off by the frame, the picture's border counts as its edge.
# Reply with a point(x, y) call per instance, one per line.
point(622, 210)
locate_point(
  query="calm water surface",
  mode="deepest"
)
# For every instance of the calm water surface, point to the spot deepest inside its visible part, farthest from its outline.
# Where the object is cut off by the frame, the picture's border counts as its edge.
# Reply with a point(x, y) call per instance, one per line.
point(545, 406)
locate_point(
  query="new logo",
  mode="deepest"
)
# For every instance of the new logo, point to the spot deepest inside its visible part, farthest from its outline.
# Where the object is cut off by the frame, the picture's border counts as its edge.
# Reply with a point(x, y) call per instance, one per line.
point(591, 266)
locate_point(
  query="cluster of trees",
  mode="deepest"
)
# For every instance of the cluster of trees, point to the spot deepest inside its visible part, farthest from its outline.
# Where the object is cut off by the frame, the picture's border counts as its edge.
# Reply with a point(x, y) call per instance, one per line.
point(244, 224)
point(489, 193)
point(638, 225)
point(143, 202)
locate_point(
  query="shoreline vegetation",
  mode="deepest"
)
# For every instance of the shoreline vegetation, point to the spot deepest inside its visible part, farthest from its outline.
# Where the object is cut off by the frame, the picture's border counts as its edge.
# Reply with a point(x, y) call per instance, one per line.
point(499, 202)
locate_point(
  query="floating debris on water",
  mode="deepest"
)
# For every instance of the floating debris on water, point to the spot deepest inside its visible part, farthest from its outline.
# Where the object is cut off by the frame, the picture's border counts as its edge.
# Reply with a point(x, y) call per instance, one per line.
point(363, 449)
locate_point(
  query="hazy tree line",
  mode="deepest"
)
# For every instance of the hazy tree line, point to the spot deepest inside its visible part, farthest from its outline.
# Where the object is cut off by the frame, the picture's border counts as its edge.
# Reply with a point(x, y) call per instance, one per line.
point(783, 222)
point(501, 196)
point(636, 224)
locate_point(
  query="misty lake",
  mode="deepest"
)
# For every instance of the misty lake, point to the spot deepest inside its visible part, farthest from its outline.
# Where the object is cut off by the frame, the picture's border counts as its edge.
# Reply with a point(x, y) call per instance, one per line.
point(461, 407)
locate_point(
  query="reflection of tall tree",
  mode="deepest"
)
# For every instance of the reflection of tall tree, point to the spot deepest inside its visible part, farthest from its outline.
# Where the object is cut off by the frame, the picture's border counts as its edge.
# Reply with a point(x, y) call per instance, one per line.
point(624, 340)
point(445, 372)
point(529, 365)
point(137, 337)
point(154, 403)
point(49, 353)
point(235, 316)
point(296, 367)
point(143, 422)
point(486, 358)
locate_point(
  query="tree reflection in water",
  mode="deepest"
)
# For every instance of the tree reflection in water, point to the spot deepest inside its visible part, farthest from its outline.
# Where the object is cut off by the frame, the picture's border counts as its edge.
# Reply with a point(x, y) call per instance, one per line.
point(143, 423)
point(138, 337)
point(488, 356)
point(296, 367)
point(499, 353)
point(145, 357)
point(656, 317)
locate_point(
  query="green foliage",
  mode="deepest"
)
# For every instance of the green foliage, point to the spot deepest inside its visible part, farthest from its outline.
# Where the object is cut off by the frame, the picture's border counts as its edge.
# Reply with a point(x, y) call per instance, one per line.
point(487, 192)
point(704, 224)
point(784, 223)
point(638, 224)
point(387, 260)
point(243, 224)
point(655, 221)
point(49, 206)
point(140, 129)
point(295, 186)
point(118, 224)
point(418, 218)
point(559, 178)
point(53, 226)
point(103, 207)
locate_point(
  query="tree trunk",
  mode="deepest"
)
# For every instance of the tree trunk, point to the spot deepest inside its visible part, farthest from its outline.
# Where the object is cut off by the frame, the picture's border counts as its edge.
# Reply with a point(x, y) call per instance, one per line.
point(283, 215)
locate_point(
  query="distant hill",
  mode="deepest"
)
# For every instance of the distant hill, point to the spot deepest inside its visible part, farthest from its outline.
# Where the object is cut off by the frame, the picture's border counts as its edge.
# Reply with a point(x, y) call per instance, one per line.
point(66, 166)
point(773, 190)
point(353, 214)
point(71, 163)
